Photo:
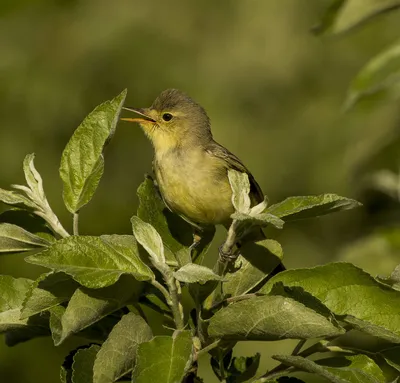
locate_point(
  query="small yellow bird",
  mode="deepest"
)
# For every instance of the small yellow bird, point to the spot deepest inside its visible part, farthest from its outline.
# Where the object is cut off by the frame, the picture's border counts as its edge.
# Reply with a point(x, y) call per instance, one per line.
point(191, 169)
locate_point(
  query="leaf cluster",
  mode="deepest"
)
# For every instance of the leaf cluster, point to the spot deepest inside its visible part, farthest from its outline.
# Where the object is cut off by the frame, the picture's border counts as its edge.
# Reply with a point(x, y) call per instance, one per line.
point(97, 287)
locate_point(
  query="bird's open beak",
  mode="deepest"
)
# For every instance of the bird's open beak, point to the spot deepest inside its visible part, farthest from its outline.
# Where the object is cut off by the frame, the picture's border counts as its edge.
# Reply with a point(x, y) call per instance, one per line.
point(142, 112)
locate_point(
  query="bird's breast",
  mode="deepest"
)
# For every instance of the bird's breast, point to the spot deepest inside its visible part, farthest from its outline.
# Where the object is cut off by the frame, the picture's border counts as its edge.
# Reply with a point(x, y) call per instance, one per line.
point(195, 185)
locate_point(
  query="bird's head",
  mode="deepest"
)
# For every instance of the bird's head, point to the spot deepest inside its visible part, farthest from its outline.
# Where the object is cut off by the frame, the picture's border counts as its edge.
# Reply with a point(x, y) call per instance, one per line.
point(173, 120)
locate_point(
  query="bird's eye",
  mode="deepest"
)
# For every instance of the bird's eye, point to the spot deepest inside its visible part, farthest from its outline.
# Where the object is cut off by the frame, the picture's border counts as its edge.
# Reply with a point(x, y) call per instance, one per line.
point(167, 116)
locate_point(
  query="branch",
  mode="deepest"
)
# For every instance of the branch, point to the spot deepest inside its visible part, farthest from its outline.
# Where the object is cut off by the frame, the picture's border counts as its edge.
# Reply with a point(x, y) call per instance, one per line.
point(76, 224)
point(172, 295)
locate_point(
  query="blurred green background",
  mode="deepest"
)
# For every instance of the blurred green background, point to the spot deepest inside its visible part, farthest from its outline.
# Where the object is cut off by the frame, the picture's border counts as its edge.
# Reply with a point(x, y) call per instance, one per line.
point(274, 93)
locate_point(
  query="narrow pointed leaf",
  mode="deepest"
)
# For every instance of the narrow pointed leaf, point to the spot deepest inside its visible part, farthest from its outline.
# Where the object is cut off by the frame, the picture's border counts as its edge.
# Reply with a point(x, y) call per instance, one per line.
point(192, 273)
point(343, 15)
point(350, 369)
point(47, 291)
point(148, 237)
point(88, 306)
point(56, 314)
point(95, 262)
point(369, 328)
point(16, 239)
point(163, 359)
point(14, 198)
point(254, 265)
point(36, 327)
point(117, 355)
point(311, 206)
point(382, 72)
point(82, 162)
point(347, 290)
point(97, 332)
point(28, 221)
point(270, 318)
point(392, 357)
point(82, 367)
point(33, 178)
point(240, 191)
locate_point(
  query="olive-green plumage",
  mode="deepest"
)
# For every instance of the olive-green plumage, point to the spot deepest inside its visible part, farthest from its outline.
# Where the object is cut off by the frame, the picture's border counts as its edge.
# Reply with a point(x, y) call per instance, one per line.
point(191, 169)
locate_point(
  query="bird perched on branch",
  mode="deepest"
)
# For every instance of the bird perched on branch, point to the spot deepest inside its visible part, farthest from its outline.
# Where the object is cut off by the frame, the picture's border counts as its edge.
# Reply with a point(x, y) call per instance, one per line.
point(191, 168)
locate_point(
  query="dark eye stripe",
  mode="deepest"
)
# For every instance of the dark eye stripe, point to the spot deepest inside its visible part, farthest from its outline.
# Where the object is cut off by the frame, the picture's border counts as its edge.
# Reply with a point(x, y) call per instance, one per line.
point(167, 116)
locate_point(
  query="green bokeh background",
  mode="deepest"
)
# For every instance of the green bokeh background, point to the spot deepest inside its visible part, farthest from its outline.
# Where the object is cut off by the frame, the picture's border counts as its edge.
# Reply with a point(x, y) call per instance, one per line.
point(274, 93)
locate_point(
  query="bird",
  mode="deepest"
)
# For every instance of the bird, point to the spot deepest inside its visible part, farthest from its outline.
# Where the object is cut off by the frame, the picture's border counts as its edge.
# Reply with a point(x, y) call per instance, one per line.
point(190, 167)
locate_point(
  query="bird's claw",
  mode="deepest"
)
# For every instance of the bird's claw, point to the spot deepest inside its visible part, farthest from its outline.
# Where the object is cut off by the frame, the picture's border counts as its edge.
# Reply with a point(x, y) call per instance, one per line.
point(227, 256)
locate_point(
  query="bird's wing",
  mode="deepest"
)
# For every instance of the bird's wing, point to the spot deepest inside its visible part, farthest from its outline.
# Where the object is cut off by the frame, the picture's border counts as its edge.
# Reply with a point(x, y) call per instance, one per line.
point(232, 162)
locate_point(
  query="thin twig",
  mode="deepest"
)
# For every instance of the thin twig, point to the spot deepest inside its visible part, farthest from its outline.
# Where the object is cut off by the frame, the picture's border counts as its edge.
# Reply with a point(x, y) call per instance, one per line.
point(172, 298)
point(282, 368)
point(176, 307)
point(298, 347)
point(163, 291)
point(208, 348)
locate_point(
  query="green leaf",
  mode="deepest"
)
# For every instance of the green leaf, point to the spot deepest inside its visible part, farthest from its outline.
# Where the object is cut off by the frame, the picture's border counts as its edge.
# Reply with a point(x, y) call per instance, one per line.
point(13, 291)
point(36, 327)
point(117, 355)
point(95, 262)
point(240, 190)
point(262, 219)
point(97, 332)
point(148, 237)
point(382, 72)
point(13, 198)
point(16, 239)
point(372, 329)
point(328, 17)
point(33, 178)
point(163, 359)
point(88, 306)
point(192, 273)
point(176, 233)
point(47, 291)
point(82, 367)
point(270, 318)
point(298, 294)
point(82, 162)
point(28, 221)
point(18, 330)
point(349, 369)
point(243, 368)
point(392, 357)
point(347, 290)
point(343, 15)
point(56, 314)
point(393, 280)
point(301, 207)
point(258, 259)
point(64, 378)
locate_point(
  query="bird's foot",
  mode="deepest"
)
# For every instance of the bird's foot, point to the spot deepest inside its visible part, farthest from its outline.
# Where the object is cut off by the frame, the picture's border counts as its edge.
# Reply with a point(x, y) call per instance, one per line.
point(227, 256)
